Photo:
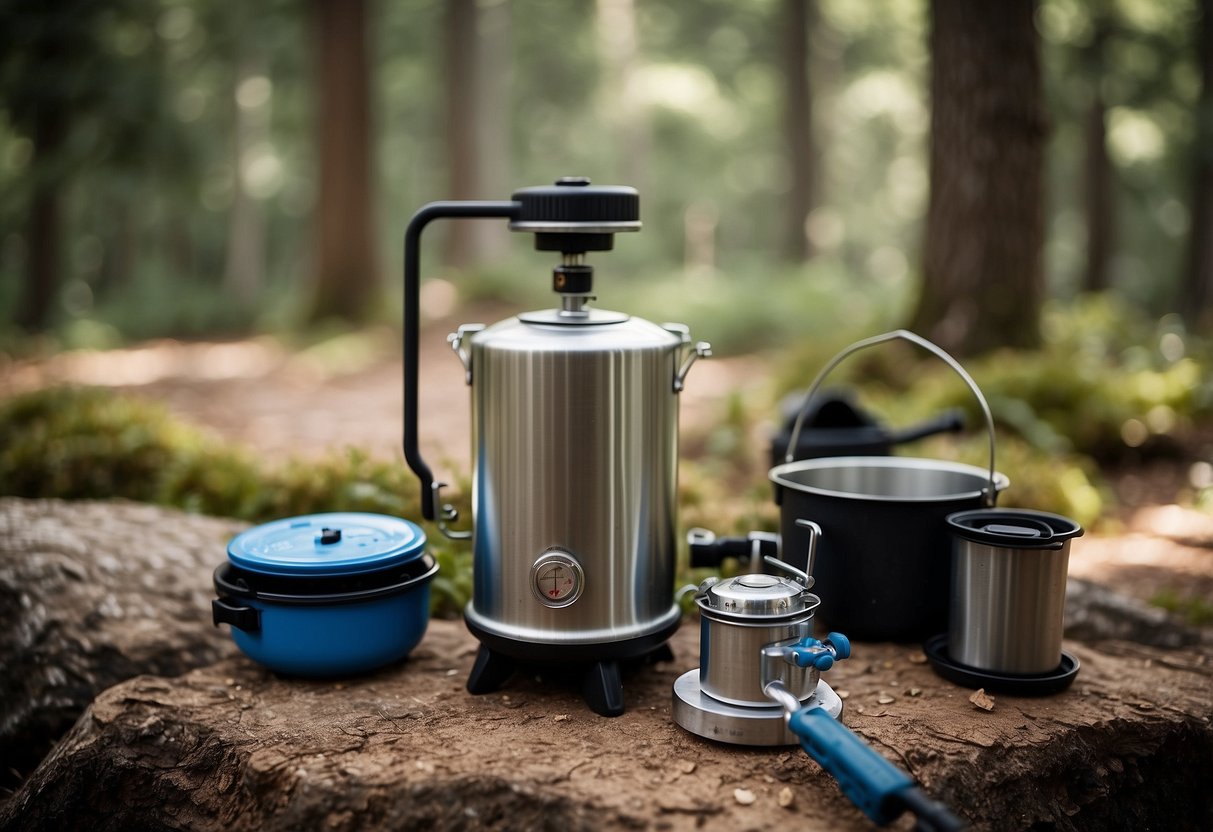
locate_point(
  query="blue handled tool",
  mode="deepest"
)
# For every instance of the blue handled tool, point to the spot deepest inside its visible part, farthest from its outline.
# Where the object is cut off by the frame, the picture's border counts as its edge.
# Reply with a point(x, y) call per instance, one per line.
point(880, 789)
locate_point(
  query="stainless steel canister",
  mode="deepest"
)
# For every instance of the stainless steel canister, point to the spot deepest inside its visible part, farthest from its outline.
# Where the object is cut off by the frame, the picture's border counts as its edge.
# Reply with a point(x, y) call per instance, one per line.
point(575, 442)
point(1009, 571)
point(740, 618)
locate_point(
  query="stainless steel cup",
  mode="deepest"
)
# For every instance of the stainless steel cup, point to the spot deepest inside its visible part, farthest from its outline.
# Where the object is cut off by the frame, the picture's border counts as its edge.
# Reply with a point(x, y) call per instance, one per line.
point(746, 625)
point(1008, 596)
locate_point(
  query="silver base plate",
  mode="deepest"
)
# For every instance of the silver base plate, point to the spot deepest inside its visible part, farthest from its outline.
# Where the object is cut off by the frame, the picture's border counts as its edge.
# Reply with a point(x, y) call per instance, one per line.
point(706, 717)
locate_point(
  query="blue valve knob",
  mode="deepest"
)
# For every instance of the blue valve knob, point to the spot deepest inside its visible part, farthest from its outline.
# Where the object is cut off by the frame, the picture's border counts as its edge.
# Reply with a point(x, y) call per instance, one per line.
point(840, 644)
point(811, 652)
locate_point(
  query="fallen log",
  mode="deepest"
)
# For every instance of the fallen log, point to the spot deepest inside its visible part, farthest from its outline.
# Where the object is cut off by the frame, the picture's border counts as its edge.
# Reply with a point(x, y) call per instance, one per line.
point(234, 747)
point(91, 594)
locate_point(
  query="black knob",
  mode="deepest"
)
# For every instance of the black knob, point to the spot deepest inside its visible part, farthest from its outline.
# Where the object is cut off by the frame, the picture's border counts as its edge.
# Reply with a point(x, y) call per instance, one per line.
point(574, 200)
point(573, 280)
point(330, 536)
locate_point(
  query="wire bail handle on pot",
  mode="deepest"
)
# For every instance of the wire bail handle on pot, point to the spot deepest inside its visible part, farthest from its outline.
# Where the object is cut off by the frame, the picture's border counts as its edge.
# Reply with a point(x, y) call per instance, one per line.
point(989, 493)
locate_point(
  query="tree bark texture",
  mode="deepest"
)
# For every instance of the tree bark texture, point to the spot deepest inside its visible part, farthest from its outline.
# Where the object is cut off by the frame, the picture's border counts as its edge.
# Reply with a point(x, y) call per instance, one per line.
point(346, 271)
point(232, 747)
point(797, 126)
point(92, 594)
point(983, 273)
point(1196, 302)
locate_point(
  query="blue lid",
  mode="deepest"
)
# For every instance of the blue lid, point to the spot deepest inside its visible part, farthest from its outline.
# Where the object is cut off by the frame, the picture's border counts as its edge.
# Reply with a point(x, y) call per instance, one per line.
point(318, 545)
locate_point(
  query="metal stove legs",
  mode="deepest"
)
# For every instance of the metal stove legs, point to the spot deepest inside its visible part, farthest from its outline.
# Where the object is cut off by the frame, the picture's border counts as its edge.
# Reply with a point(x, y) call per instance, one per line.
point(603, 688)
point(490, 672)
point(601, 682)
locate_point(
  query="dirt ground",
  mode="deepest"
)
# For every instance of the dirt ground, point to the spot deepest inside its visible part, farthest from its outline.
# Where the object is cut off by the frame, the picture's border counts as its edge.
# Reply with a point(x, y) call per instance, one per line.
point(348, 392)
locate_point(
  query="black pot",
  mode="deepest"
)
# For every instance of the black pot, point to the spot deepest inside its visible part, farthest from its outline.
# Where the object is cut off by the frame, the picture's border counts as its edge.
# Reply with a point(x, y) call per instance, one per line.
point(883, 558)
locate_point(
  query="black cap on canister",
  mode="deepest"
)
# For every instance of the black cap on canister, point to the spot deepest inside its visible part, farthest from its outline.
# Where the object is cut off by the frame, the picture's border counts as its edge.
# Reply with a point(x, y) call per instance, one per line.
point(574, 216)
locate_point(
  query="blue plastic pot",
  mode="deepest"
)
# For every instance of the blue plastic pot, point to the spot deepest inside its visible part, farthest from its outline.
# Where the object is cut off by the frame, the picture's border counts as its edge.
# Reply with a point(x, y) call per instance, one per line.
point(326, 594)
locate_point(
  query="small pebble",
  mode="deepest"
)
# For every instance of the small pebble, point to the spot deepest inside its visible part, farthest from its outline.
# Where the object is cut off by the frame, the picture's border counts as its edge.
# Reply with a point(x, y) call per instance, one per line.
point(743, 796)
point(785, 797)
point(914, 692)
point(842, 694)
point(885, 699)
point(560, 717)
point(918, 658)
point(982, 700)
point(452, 672)
point(687, 767)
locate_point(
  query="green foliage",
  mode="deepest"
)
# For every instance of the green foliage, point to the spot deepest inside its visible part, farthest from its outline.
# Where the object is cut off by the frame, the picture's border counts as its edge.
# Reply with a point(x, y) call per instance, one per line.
point(150, 88)
point(86, 443)
point(75, 443)
point(1111, 383)
point(1195, 610)
point(1107, 382)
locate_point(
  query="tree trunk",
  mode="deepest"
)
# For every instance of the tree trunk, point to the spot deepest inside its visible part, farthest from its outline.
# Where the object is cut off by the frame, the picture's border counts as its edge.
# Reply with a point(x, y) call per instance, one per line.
point(347, 274)
point(617, 40)
point(798, 127)
point(494, 72)
point(45, 223)
point(1098, 173)
point(245, 255)
point(983, 274)
point(118, 260)
point(461, 99)
point(1196, 300)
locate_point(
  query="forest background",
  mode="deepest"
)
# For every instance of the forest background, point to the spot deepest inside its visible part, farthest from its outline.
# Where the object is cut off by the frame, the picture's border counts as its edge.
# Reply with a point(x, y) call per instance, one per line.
point(1028, 184)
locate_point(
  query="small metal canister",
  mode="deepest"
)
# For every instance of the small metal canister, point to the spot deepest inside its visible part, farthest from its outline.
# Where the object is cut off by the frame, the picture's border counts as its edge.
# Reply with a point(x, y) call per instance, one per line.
point(740, 617)
point(1009, 570)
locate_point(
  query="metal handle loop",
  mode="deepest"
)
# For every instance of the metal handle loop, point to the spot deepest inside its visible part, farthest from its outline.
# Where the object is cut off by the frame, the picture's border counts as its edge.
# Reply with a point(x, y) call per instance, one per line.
point(448, 514)
point(988, 495)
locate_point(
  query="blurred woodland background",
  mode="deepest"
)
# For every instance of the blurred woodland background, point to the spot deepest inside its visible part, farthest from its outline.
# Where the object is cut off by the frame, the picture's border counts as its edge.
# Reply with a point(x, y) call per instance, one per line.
point(1030, 184)
point(192, 167)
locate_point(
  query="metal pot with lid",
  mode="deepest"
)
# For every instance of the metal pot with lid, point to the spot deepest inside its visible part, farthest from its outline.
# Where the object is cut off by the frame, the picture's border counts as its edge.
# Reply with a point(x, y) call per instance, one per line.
point(575, 453)
point(331, 594)
point(751, 627)
point(759, 684)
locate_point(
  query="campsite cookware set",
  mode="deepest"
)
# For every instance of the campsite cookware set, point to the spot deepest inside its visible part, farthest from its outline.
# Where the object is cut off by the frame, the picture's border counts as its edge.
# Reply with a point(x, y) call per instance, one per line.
point(573, 531)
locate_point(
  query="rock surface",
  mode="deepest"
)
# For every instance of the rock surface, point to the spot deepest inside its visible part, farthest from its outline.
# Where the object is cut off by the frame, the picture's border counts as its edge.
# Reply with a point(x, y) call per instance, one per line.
point(91, 594)
point(234, 747)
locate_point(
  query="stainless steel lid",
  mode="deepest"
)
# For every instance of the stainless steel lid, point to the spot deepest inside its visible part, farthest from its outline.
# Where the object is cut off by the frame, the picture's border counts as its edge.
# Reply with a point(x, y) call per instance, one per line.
point(758, 594)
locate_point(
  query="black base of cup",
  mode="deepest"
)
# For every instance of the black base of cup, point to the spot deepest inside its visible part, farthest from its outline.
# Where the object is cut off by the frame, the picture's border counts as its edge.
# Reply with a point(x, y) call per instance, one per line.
point(1036, 684)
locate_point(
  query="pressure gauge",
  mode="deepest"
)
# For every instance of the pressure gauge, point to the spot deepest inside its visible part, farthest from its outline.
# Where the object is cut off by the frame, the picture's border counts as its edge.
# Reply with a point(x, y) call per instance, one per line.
point(557, 578)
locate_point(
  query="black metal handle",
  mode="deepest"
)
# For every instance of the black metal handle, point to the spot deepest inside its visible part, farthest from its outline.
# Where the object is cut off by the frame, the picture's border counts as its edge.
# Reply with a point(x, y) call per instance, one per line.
point(950, 421)
point(238, 615)
point(930, 815)
point(412, 320)
point(709, 551)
